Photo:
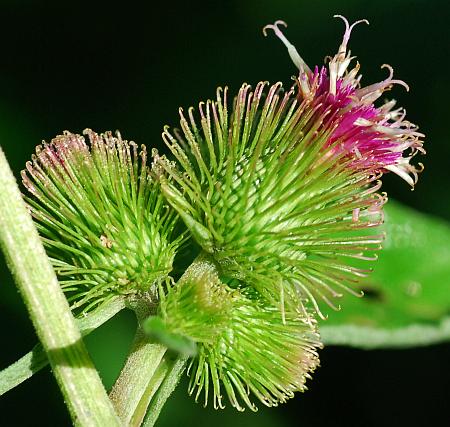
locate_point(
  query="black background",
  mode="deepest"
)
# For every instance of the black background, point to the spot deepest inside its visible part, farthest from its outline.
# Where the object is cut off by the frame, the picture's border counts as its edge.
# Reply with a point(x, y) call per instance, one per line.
point(72, 65)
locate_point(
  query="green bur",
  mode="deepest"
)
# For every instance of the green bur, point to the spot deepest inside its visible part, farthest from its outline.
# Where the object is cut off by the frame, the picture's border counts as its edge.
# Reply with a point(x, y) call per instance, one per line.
point(266, 195)
point(102, 217)
point(244, 345)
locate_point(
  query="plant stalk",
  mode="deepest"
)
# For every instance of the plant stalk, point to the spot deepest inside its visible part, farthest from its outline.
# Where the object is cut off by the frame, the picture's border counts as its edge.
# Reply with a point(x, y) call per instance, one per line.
point(174, 370)
point(50, 313)
point(136, 377)
point(151, 373)
point(36, 359)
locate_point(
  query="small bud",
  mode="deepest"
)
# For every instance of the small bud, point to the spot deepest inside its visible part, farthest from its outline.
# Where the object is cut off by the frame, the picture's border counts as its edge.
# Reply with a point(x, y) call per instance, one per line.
point(199, 305)
point(101, 215)
point(259, 354)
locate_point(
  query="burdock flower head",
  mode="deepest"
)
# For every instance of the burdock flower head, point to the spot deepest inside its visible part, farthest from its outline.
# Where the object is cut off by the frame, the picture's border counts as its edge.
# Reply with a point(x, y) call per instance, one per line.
point(244, 346)
point(101, 215)
point(280, 188)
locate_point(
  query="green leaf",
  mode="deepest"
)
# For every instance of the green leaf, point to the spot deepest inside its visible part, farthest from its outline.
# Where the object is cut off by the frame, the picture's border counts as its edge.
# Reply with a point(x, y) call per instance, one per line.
point(407, 301)
point(155, 327)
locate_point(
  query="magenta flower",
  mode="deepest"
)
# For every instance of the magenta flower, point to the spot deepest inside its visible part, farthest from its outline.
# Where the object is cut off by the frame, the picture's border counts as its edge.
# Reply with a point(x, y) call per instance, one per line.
point(378, 139)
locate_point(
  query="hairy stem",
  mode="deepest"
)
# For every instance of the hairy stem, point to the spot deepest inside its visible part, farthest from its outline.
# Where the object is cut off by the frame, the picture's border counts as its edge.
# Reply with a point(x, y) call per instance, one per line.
point(151, 372)
point(174, 370)
point(50, 313)
point(154, 384)
point(137, 374)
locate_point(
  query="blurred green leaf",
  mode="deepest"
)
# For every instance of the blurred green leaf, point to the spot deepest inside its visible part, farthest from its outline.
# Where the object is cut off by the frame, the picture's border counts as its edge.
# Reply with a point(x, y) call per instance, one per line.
point(407, 301)
point(155, 328)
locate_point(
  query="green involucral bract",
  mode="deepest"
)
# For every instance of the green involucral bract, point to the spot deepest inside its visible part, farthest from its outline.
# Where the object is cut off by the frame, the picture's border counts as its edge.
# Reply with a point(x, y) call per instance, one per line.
point(245, 347)
point(275, 205)
point(103, 220)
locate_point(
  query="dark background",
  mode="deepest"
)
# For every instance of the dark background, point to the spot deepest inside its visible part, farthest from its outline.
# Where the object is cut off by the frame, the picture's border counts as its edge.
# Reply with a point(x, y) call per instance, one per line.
point(72, 65)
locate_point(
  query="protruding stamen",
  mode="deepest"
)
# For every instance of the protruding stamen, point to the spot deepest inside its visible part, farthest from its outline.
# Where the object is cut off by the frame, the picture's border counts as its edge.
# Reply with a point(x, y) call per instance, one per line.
point(348, 31)
point(338, 65)
point(370, 94)
point(296, 58)
point(391, 74)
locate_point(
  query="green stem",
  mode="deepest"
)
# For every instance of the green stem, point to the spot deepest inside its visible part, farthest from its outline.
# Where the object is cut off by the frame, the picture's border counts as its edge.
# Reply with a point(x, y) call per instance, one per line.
point(50, 313)
point(150, 374)
point(172, 377)
point(148, 367)
point(36, 359)
point(154, 384)
point(136, 377)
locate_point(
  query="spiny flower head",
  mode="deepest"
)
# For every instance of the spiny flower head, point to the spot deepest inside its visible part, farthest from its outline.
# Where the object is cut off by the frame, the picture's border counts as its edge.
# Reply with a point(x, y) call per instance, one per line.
point(259, 354)
point(244, 347)
point(280, 187)
point(377, 138)
point(101, 215)
point(261, 192)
